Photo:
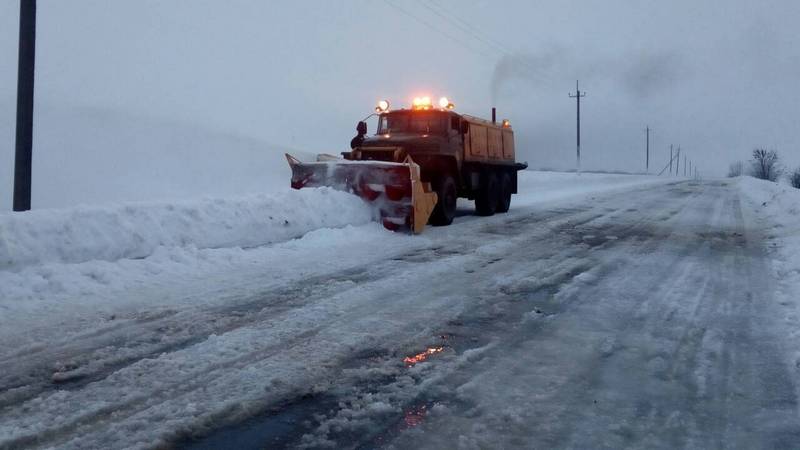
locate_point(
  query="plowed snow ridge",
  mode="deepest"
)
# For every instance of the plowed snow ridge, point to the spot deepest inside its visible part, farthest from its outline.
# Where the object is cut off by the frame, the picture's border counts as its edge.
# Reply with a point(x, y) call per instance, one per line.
point(136, 230)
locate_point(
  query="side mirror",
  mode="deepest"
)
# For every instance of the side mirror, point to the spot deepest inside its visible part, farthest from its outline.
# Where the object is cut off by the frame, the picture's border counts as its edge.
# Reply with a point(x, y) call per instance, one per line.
point(464, 127)
point(361, 128)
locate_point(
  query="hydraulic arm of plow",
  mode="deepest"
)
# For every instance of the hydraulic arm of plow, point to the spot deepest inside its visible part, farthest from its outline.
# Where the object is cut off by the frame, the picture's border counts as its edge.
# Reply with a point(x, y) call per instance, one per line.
point(395, 189)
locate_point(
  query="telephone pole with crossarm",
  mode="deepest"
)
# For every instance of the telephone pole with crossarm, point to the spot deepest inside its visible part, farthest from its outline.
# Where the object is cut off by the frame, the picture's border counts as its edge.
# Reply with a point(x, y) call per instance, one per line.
point(577, 97)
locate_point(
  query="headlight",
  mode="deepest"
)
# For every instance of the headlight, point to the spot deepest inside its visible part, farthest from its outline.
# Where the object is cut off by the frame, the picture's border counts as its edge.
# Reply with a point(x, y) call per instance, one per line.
point(382, 106)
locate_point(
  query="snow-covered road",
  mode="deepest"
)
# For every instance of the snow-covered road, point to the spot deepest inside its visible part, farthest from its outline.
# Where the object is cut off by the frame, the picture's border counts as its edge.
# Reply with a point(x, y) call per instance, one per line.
point(637, 317)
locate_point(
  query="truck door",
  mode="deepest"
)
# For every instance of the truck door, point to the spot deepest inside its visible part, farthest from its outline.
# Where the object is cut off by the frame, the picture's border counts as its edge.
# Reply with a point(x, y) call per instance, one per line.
point(495, 143)
point(508, 145)
point(454, 131)
point(477, 142)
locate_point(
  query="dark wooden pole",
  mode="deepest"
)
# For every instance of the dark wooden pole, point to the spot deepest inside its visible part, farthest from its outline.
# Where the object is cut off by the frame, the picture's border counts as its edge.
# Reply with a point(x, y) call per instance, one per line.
point(24, 140)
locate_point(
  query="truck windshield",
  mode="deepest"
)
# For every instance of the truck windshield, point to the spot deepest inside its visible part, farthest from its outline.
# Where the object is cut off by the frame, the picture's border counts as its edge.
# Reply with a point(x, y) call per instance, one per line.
point(424, 122)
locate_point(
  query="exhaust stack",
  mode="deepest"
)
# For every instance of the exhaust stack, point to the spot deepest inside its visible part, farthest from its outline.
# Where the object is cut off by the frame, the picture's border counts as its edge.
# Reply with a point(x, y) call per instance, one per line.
point(494, 114)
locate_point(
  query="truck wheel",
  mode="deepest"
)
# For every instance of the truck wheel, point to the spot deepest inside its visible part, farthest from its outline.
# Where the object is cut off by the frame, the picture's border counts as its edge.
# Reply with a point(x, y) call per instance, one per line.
point(486, 201)
point(504, 202)
point(445, 209)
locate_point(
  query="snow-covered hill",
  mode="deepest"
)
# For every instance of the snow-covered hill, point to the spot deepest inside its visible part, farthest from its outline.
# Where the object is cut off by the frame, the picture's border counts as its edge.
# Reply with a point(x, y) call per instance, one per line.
point(93, 156)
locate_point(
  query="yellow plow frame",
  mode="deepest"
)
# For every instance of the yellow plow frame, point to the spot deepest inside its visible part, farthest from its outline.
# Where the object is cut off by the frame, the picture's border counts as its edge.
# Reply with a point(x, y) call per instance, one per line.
point(395, 189)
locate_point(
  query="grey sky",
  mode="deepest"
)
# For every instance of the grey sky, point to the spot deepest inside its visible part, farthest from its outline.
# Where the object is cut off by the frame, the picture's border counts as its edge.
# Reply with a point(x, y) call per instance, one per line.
point(714, 76)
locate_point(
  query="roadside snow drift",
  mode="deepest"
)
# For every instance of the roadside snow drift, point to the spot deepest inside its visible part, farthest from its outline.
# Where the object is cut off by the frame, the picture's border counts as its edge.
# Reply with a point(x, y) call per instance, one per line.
point(136, 230)
point(777, 211)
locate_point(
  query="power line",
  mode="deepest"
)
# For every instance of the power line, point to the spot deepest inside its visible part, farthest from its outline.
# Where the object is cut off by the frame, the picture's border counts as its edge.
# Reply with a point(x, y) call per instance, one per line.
point(462, 26)
point(669, 164)
point(437, 29)
point(451, 17)
point(482, 37)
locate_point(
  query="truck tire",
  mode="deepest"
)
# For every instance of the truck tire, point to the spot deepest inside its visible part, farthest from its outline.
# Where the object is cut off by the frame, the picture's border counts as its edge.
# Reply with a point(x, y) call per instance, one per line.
point(504, 201)
point(486, 200)
point(445, 209)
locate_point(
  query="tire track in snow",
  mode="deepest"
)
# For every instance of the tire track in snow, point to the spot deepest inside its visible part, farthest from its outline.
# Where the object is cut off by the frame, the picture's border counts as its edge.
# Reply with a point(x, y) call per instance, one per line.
point(501, 324)
point(155, 333)
point(587, 379)
point(449, 238)
point(72, 427)
point(34, 369)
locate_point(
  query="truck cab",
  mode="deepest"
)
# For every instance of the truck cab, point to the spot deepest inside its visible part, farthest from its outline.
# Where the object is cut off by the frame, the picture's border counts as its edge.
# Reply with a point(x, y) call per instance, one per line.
point(424, 135)
point(459, 155)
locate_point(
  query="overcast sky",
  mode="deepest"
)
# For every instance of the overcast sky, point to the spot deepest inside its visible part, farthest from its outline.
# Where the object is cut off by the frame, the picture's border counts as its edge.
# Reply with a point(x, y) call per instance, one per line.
point(716, 77)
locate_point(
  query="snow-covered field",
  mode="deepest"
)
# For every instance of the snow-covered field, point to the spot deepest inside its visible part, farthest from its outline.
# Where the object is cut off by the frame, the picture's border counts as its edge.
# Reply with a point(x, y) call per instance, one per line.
point(86, 156)
point(614, 309)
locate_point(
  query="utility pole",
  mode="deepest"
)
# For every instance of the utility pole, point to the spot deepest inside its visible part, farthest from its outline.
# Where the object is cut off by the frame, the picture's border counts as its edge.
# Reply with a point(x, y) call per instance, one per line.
point(678, 161)
point(577, 97)
point(647, 152)
point(670, 159)
point(23, 157)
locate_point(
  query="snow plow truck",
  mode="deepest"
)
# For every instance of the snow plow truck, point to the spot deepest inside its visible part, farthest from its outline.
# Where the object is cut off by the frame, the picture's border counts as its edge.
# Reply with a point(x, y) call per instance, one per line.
point(419, 162)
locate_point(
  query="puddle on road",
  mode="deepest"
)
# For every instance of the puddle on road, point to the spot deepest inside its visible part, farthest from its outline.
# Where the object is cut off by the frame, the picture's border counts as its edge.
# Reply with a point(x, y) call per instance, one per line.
point(284, 425)
point(279, 427)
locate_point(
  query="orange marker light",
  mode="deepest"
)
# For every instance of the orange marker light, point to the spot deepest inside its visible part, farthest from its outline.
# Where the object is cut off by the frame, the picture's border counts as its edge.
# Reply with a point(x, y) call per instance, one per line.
point(421, 103)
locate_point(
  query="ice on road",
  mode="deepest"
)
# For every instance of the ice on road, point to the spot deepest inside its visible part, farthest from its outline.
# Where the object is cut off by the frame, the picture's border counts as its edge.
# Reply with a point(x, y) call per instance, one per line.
point(645, 314)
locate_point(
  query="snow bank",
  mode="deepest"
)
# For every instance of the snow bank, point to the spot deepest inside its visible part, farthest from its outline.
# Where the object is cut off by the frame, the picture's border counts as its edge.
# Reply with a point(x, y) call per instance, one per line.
point(777, 211)
point(136, 230)
point(782, 202)
point(777, 207)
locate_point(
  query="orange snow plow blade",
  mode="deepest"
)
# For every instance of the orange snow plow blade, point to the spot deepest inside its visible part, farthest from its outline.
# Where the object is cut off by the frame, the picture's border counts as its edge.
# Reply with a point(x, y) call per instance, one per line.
point(396, 190)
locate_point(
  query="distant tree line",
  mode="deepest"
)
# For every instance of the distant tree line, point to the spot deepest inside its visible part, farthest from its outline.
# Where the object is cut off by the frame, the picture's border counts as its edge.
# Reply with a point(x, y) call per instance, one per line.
point(794, 178)
point(765, 165)
point(736, 169)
